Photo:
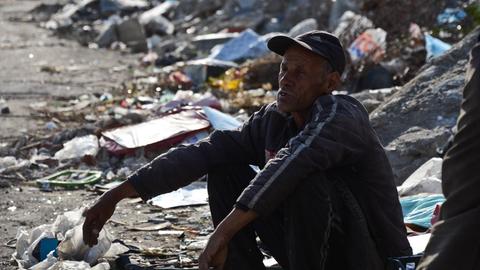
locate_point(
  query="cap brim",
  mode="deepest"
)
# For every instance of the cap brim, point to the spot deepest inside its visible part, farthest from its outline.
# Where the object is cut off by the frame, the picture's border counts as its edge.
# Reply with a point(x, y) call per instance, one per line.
point(279, 45)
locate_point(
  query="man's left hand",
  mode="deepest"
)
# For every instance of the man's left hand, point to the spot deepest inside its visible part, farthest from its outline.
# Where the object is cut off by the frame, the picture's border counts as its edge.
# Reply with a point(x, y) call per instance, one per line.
point(215, 253)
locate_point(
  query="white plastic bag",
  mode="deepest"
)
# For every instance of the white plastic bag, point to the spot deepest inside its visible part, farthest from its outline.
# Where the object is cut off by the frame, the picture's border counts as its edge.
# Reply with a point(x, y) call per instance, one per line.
point(73, 247)
point(79, 147)
point(426, 179)
point(67, 228)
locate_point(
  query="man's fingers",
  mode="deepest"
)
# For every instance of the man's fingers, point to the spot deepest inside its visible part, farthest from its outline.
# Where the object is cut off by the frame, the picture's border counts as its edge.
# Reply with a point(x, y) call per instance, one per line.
point(203, 261)
point(90, 229)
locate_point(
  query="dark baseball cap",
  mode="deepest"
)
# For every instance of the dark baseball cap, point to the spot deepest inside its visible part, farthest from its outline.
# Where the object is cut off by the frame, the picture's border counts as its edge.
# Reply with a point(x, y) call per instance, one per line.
point(320, 42)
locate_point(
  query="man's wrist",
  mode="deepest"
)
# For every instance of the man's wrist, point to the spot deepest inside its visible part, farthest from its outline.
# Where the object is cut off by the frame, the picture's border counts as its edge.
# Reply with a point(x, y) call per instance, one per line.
point(124, 190)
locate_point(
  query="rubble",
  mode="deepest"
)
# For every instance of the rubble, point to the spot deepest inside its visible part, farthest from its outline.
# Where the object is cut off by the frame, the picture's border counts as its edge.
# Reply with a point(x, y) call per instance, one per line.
point(419, 117)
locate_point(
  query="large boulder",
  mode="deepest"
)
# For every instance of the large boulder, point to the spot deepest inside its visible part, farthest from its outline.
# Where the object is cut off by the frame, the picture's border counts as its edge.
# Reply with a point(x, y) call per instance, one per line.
point(419, 118)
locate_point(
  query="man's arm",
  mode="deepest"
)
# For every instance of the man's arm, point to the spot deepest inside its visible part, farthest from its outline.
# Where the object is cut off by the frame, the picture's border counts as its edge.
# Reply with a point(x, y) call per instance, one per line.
point(177, 168)
point(97, 215)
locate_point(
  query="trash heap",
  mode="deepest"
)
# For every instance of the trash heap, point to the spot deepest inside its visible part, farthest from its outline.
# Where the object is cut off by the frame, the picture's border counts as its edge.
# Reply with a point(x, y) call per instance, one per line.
point(204, 65)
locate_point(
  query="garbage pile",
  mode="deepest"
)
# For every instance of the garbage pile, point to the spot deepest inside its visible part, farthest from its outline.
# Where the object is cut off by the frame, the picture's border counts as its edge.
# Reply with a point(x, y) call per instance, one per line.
point(193, 41)
point(212, 53)
point(204, 66)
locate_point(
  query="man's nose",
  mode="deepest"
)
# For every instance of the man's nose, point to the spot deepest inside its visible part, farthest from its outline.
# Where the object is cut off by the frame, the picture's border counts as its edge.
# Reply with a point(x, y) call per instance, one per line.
point(285, 79)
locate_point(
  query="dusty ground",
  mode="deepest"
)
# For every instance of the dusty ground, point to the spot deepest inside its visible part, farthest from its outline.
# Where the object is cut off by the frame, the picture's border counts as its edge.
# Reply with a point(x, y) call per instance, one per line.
point(24, 50)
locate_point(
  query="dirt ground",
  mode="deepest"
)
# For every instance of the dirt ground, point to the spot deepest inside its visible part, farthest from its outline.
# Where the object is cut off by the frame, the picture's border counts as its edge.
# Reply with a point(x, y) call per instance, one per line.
point(24, 49)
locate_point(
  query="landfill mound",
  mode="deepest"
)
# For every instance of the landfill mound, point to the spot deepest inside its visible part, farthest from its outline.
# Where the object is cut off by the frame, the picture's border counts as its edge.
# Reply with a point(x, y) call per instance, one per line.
point(418, 119)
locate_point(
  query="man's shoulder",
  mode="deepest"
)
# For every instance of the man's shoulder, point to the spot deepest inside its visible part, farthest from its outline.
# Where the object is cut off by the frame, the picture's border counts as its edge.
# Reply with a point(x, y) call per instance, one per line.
point(269, 109)
point(342, 104)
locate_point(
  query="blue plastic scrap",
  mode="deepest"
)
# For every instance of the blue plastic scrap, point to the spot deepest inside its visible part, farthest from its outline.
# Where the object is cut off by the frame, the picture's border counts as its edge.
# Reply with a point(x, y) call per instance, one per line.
point(220, 120)
point(435, 47)
point(247, 45)
point(418, 209)
point(451, 15)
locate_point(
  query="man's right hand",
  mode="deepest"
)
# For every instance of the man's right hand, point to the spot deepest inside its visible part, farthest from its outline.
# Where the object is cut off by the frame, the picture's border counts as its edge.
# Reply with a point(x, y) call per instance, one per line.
point(97, 215)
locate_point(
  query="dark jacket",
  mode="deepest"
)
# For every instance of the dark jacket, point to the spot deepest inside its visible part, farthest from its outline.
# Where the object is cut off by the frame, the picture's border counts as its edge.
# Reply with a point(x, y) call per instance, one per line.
point(337, 139)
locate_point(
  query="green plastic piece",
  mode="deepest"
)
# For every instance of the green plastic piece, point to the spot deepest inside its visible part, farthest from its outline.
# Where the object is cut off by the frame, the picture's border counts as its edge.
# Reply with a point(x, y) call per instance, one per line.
point(70, 179)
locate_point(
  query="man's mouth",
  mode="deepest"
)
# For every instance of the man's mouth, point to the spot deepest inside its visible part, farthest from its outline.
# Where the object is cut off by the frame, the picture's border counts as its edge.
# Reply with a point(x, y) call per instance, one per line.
point(284, 93)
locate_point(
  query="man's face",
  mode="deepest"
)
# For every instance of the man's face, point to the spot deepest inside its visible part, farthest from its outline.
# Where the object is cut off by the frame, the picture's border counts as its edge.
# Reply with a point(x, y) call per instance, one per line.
point(303, 77)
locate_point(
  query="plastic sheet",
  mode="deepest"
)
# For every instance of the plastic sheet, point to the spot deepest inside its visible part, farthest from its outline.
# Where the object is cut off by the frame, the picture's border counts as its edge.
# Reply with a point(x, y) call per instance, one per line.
point(193, 194)
point(221, 121)
point(418, 209)
point(157, 130)
point(246, 46)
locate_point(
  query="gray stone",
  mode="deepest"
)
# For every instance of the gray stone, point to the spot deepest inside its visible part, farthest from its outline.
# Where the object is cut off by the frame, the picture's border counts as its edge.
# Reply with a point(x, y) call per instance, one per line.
point(430, 102)
point(131, 33)
point(107, 36)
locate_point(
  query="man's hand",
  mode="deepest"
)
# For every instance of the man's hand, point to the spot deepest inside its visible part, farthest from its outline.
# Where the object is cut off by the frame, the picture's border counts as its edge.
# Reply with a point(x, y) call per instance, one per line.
point(97, 215)
point(215, 253)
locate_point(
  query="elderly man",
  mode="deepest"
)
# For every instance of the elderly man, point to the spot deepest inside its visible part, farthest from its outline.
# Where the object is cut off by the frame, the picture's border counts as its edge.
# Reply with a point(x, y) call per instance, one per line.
point(324, 197)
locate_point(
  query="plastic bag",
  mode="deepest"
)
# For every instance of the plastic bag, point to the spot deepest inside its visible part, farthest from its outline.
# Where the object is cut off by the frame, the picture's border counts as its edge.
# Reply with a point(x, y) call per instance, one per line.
point(435, 47)
point(73, 247)
point(371, 45)
point(426, 179)
point(66, 228)
point(79, 147)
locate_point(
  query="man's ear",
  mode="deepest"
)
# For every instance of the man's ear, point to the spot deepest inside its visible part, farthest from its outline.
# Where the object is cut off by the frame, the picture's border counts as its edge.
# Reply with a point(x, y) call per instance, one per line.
point(334, 81)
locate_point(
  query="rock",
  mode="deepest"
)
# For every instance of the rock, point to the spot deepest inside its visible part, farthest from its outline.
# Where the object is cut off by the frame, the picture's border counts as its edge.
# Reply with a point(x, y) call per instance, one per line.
point(107, 36)
point(44, 11)
point(131, 33)
point(4, 109)
point(413, 148)
point(374, 77)
point(430, 102)
point(4, 183)
point(371, 99)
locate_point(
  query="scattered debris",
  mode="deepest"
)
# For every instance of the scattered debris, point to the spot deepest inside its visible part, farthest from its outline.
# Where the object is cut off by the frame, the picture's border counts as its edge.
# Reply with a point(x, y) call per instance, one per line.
point(193, 194)
point(204, 66)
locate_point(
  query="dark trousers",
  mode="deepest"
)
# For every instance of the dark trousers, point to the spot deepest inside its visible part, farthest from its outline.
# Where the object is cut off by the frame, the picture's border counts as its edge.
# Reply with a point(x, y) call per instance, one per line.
point(310, 231)
point(455, 241)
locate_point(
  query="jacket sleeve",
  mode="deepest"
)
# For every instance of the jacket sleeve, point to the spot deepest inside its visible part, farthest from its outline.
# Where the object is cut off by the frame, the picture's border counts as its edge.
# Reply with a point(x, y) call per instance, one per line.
point(184, 164)
point(331, 139)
